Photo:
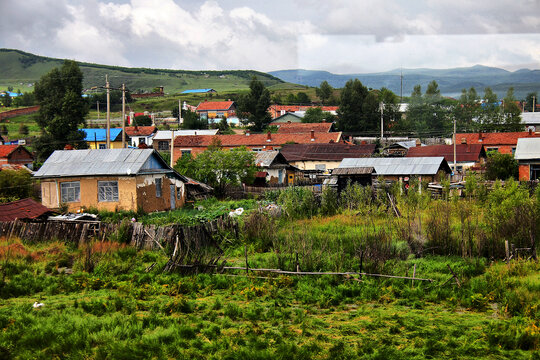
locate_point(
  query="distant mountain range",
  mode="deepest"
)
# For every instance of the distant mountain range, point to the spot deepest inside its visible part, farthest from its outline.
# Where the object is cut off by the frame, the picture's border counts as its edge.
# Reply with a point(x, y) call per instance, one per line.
point(451, 81)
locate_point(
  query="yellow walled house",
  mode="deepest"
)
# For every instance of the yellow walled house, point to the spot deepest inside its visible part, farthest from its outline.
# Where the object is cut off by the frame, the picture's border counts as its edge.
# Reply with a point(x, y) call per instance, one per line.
point(113, 179)
point(97, 138)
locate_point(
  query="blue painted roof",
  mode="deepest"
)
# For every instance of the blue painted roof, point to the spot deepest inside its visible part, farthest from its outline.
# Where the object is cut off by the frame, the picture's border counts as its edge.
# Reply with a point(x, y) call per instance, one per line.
point(12, 94)
point(195, 91)
point(101, 134)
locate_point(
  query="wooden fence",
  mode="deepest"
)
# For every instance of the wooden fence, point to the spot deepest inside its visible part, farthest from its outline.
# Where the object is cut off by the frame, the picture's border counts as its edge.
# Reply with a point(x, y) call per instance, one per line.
point(136, 234)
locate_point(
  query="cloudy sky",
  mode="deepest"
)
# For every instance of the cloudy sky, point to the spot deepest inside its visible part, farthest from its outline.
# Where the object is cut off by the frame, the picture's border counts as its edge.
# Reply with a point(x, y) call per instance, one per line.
point(342, 36)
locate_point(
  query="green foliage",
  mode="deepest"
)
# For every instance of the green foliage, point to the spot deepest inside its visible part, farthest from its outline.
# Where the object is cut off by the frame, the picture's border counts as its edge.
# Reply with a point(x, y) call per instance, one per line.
point(298, 202)
point(316, 115)
point(501, 166)
point(192, 121)
point(62, 110)
point(351, 113)
point(253, 107)
point(531, 98)
point(15, 185)
point(219, 168)
point(324, 91)
point(143, 120)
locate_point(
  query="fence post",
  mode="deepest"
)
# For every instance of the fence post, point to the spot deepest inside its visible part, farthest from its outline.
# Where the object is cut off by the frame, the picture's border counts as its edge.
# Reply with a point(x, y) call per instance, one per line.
point(247, 265)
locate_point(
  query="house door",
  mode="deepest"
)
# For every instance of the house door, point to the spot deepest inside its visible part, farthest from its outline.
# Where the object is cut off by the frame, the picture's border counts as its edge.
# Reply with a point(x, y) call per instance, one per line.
point(173, 197)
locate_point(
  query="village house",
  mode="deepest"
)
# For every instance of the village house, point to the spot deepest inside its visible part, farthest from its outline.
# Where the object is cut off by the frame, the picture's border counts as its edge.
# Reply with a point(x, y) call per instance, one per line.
point(15, 155)
point(504, 143)
point(97, 138)
point(199, 91)
point(113, 179)
point(287, 118)
point(162, 138)
point(531, 120)
point(140, 135)
point(528, 158)
point(468, 156)
point(322, 158)
point(255, 142)
point(274, 168)
point(299, 110)
point(397, 169)
point(400, 148)
point(216, 109)
point(295, 128)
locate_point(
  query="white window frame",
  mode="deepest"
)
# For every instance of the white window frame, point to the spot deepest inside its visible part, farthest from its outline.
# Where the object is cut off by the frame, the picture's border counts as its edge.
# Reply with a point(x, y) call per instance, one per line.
point(70, 191)
point(108, 191)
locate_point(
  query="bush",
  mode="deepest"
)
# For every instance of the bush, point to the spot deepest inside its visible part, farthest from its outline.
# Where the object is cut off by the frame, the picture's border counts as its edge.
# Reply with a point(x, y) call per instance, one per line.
point(298, 202)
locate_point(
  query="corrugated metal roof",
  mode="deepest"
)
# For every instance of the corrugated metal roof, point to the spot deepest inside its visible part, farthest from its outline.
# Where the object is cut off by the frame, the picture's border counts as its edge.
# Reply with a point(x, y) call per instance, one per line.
point(354, 171)
point(399, 166)
point(265, 158)
point(530, 118)
point(99, 162)
point(527, 149)
point(195, 91)
point(166, 134)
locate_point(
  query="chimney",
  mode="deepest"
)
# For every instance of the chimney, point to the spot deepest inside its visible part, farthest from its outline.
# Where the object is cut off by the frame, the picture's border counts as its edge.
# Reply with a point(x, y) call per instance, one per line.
point(463, 140)
point(247, 132)
point(418, 142)
point(269, 136)
point(312, 135)
point(480, 136)
point(530, 132)
point(364, 142)
point(68, 147)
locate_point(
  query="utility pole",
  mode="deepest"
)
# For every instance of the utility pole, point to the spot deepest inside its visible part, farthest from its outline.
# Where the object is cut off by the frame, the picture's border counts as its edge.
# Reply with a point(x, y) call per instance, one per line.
point(108, 112)
point(172, 147)
point(381, 107)
point(98, 110)
point(401, 87)
point(534, 103)
point(123, 116)
point(455, 162)
point(179, 112)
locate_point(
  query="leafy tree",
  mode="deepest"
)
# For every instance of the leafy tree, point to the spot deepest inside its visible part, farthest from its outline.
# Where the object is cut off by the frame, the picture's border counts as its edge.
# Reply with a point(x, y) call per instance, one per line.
point(3, 130)
point(302, 98)
point(428, 114)
point(10, 88)
point(115, 100)
point(501, 166)
point(324, 91)
point(15, 185)
point(467, 110)
point(192, 121)
point(62, 109)
point(391, 107)
point(6, 100)
point(219, 168)
point(26, 99)
point(316, 115)
point(291, 99)
point(350, 110)
point(253, 107)
point(529, 101)
point(143, 120)
point(511, 112)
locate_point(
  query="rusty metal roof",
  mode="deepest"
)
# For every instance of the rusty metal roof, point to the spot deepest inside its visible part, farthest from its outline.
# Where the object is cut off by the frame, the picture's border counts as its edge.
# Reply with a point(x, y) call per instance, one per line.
point(22, 209)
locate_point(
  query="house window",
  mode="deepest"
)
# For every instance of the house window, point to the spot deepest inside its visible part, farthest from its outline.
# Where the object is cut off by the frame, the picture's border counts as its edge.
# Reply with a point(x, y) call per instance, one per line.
point(102, 146)
point(70, 191)
point(179, 193)
point(163, 145)
point(256, 149)
point(535, 172)
point(186, 153)
point(158, 187)
point(107, 191)
point(320, 167)
point(142, 140)
point(488, 149)
point(513, 151)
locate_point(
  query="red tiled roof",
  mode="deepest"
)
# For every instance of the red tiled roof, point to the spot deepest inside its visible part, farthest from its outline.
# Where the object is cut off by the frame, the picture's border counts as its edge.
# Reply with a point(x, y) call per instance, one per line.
point(215, 105)
point(140, 130)
point(6, 150)
point(464, 152)
point(329, 152)
point(508, 138)
point(292, 108)
point(291, 128)
point(22, 209)
point(256, 139)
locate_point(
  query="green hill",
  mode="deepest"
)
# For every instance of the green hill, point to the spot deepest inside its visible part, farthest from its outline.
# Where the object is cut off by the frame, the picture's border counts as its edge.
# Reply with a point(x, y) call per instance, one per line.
point(21, 70)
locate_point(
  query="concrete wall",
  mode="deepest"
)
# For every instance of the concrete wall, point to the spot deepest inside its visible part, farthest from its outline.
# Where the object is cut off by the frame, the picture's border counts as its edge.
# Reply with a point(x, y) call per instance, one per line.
point(311, 165)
